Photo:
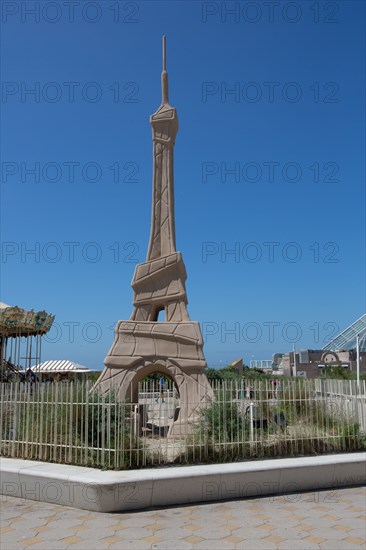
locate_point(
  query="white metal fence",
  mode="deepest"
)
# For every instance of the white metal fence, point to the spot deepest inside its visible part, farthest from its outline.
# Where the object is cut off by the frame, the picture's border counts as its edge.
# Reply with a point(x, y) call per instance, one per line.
point(66, 423)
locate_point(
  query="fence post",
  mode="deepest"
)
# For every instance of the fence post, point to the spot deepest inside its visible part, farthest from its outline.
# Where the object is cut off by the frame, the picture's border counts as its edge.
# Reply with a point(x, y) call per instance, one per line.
point(251, 420)
point(15, 417)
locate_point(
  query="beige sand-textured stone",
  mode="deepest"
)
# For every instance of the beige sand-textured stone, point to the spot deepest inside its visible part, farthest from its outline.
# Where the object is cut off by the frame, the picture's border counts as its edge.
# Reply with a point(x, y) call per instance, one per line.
point(144, 345)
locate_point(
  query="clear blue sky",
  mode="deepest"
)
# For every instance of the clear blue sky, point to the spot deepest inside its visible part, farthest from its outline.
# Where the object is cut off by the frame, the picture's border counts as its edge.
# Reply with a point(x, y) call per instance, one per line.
point(293, 131)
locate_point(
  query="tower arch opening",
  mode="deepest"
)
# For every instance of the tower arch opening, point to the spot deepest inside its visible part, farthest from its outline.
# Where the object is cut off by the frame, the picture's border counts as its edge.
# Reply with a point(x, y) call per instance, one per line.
point(156, 397)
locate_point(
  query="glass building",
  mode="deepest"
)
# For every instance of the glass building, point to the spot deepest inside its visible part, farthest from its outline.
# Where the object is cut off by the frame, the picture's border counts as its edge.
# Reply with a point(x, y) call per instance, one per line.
point(346, 340)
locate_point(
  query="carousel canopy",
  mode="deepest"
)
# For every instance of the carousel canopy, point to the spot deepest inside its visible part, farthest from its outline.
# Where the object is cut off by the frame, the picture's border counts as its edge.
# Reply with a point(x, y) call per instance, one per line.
point(15, 321)
point(61, 365)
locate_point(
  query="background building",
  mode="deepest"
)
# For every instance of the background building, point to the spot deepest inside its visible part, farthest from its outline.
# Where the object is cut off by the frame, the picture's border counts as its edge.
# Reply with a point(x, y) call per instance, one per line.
point(340, 352)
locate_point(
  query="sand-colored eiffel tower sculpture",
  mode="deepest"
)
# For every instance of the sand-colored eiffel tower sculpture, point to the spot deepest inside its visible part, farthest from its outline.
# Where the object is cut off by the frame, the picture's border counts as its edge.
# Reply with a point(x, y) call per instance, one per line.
point(145, 345)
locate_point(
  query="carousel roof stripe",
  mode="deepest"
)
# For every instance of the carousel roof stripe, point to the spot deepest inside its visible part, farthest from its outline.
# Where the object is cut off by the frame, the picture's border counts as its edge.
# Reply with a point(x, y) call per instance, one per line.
point(60, 365)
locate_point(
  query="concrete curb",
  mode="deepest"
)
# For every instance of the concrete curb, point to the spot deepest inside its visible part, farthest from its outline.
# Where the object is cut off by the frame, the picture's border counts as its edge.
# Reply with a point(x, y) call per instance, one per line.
point(119, 491)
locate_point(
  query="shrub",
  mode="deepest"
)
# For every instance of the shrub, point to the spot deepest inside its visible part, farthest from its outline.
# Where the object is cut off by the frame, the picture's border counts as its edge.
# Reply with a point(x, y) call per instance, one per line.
point(222, 421)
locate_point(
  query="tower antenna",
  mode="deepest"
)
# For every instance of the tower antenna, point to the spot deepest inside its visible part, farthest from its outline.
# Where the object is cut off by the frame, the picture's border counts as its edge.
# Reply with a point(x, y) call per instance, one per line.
point(164, 53)
point(164, 76)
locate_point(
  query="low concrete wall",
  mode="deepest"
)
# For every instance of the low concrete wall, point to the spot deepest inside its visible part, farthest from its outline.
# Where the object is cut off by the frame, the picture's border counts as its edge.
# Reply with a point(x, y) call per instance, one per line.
point(118, 491)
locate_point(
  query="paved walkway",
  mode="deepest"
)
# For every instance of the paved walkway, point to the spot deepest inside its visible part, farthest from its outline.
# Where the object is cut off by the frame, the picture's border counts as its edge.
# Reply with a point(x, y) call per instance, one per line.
point(324, 519)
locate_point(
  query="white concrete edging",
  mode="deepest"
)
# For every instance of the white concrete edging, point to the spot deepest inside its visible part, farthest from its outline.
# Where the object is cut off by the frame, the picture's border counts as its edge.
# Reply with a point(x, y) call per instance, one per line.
point(119, 491)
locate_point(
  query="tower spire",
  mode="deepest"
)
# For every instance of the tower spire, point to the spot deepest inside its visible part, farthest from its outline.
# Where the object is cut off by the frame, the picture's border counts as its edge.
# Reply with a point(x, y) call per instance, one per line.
point(164, 124)
point(164, 77)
